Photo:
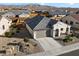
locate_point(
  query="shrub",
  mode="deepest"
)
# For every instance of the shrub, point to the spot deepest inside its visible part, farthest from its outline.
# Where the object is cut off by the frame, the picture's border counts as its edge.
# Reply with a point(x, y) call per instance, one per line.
point(8, 34)
point(26, 39)
point(13, 26)
point(17, 31)
point(13, 30)
point(67, 39)
point(72, 35)
point(13, 33)
point(77, 35)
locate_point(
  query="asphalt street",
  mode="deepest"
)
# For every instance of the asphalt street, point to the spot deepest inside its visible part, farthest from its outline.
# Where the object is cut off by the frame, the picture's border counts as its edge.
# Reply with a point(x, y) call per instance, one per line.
point(73, 53)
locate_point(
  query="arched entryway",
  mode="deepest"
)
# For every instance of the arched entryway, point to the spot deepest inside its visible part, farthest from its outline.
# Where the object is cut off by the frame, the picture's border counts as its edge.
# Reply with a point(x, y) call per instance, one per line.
point(67, 30)
point(56, 32)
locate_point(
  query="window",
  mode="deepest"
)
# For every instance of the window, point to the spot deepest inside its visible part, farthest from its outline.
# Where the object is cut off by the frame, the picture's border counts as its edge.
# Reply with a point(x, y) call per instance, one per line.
point(77, 22)
point(67, 29)
point(66, 22)
point(61, 29)
point(17, 16)
point(61, 20)
point(71, 23)
point(57, 32)
point(3, 27)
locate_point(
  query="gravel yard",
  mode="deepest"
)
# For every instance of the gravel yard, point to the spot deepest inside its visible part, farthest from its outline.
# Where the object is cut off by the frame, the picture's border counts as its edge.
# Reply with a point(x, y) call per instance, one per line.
point(28, 47)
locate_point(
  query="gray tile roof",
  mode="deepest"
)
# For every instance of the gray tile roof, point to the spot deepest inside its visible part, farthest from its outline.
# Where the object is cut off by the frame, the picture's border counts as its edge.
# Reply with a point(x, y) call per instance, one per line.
point(51, 23)
point(18, 12)
point(34, 21)
point(0, 18)
point(1, 13)
point(9, 14)
point(41, 22)
point(58, 12)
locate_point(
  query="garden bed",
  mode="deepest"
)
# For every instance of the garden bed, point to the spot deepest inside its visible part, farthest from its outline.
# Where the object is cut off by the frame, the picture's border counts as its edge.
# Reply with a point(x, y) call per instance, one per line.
point(74, 40)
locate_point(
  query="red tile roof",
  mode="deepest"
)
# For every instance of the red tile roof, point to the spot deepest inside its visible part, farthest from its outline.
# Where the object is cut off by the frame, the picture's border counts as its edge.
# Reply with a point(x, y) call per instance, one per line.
point(76, 16)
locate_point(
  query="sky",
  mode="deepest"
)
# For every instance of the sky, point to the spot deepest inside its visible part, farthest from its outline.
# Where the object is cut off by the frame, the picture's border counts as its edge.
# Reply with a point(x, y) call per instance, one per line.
point(75, 5)
point(57, 3)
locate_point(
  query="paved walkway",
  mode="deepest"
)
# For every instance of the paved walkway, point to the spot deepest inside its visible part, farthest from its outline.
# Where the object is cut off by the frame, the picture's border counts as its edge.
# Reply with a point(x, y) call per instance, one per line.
point(48, 43)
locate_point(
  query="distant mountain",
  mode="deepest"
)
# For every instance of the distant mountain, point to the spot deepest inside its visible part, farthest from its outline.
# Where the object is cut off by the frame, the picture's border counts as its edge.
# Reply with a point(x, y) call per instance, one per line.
point(39, 7)
point(49, 8)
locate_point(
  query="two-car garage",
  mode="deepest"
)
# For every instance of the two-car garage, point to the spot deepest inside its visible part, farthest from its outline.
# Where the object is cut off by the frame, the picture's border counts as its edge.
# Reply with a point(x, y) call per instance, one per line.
point(42, 33)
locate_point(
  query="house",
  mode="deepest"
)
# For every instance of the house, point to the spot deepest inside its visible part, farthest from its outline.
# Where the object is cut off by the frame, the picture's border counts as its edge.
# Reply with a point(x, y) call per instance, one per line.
point(20, 12)
point(9, 14)
point(58, 14)
point(73, 20)
point(40, 26)
point(24, 15)
point(42, 12)
point(5, 23)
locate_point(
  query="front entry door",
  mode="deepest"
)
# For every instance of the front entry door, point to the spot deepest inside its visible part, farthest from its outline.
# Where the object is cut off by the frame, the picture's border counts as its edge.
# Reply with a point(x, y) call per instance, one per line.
point(56, 32)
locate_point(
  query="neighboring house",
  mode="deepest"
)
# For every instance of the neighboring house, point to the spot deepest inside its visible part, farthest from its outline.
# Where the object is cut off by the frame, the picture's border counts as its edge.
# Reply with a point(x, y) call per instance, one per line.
point(5, 23)
point(24, 15)
point(8, 14)
point(58, 14)
point(41, 26)
point(19, 12)
point(73, 20)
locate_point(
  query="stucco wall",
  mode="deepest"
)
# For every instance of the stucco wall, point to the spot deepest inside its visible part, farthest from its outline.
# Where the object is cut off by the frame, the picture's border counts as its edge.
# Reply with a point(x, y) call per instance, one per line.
point(59, 26)
point(36, 34)
point(6, 23)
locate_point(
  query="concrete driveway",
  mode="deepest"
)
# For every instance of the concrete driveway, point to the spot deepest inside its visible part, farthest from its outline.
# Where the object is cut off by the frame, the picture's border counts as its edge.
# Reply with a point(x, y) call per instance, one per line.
point(48, 43)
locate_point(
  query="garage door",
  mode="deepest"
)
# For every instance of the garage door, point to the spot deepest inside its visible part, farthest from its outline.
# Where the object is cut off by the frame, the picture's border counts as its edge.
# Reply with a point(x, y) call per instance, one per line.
point(40, 34)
